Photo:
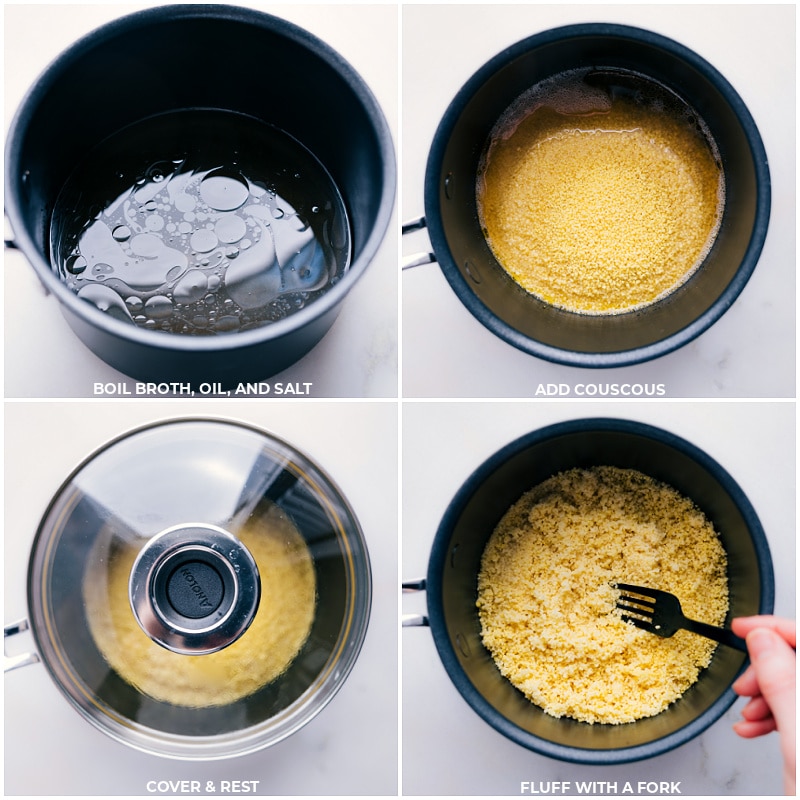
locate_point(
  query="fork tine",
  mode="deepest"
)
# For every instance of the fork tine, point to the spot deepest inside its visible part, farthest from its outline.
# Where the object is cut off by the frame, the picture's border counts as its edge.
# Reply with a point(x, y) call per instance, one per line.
point(644, 612)
point(639, 623)
point(628, 587)
point(648, 604)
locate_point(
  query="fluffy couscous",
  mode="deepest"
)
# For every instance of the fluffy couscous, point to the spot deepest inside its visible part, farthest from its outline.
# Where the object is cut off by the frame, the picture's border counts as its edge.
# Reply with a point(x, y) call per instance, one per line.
point(546, 600)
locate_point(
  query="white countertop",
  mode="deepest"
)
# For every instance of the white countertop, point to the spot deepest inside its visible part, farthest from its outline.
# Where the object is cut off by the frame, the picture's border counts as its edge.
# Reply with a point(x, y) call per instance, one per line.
point(750, 351)
point(349, 748)
point(357, 357)
point(447, 748)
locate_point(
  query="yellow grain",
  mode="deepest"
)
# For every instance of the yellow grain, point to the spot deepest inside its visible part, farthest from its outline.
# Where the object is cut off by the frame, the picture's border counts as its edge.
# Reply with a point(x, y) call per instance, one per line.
point(601, 213)
point(279, 629)
point(547, 605)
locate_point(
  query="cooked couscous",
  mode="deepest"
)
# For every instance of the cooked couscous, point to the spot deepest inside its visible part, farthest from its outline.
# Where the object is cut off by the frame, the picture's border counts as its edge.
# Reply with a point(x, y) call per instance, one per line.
point(547, 604)
point(279, 629)
point(597, 205)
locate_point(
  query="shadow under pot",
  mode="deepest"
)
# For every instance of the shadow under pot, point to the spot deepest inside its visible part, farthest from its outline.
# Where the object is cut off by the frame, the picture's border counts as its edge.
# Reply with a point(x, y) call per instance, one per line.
point(616, 62)
point(476, 510)
point(199, 230)
point(198, 589)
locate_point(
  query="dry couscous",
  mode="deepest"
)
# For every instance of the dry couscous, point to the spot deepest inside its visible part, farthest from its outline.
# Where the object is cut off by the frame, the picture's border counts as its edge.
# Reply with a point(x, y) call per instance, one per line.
point(546, 600)
point(598, 204)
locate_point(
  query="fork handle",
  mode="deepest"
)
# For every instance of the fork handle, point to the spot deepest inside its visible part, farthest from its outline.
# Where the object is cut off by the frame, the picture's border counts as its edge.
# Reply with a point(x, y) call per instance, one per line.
point(722, 635)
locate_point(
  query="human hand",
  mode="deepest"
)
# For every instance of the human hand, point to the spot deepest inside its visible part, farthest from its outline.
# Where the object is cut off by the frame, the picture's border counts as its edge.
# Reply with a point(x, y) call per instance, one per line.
point(769, 682)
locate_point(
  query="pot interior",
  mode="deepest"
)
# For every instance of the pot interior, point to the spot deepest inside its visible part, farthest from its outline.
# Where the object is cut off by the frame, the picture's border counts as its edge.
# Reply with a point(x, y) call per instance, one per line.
point(242, 481)
point(485, 498)
point(521, 318)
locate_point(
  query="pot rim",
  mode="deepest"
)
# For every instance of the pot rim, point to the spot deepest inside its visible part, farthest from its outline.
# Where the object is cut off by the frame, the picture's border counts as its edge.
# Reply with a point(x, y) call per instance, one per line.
point(540, 349)
point(440, 554)
point(161, 340)
point(246, 740)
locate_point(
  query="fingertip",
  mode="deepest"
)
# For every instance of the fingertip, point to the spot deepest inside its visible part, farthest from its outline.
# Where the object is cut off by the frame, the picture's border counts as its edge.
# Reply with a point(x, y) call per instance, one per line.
point(748, 729)
point(785, 628)
point(763, 643)
point(756, 710)
point(740, 625)
point(746, 684)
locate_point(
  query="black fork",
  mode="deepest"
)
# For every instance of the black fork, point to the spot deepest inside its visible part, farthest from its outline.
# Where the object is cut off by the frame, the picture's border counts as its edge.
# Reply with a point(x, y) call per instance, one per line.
point(660, 613)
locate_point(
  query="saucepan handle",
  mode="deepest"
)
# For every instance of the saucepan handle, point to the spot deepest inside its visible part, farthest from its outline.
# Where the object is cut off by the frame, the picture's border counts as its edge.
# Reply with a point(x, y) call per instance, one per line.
point(415, 620)
point(417, 259)
point(22, 660)
point(8, 235)
point(10, 243)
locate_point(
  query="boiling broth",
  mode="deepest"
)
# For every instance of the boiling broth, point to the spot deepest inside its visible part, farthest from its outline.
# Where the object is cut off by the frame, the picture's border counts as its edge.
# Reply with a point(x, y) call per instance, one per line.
point(200, 222)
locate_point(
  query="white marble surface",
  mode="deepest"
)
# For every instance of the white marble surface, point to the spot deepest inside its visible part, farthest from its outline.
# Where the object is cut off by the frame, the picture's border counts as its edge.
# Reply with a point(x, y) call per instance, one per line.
point(447, 748)
point(357, 357)
point(350, 748)
point(750, 351)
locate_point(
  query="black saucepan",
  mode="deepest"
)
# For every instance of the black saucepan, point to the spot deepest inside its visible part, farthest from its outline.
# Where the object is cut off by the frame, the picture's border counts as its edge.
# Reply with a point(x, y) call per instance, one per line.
point(271, 70)
point(476, 509)
point(520, 318)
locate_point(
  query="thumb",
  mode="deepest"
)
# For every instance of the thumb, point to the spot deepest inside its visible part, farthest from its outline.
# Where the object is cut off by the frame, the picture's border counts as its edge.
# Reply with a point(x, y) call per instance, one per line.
point(774, 665)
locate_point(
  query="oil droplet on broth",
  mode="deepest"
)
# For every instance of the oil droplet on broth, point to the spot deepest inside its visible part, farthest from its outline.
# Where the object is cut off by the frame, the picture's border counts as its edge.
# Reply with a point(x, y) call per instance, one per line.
point(218, 223)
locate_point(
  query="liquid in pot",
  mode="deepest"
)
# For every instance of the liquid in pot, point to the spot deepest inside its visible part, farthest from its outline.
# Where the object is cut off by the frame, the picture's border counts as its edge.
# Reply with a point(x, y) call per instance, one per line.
point(600, 191)
point(201, 223)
